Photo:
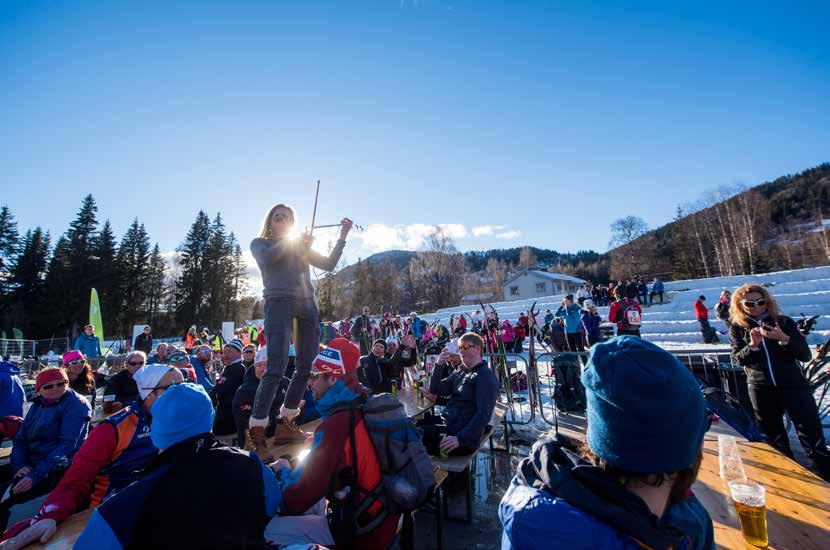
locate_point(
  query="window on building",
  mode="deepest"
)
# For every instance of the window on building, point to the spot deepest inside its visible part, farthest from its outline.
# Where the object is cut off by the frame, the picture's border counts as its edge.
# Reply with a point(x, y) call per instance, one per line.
point(541, 287)
point(514, 291)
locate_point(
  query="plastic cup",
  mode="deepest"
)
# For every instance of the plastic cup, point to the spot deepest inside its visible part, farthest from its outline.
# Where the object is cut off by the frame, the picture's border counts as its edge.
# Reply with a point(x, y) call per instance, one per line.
point(750, 502)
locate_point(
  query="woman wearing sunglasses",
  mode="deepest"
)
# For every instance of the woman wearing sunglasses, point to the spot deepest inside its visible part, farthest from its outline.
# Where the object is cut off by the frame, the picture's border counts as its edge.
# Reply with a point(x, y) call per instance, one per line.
point(53, 430)
point(289, 303)
point(181, 361)
point(121, 388)
point(81, 378)
point(769, 347)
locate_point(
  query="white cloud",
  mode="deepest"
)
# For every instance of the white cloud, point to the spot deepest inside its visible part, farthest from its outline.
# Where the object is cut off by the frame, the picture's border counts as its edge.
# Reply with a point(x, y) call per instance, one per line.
point(485, 230)
point(379, 237)
point(512, 234)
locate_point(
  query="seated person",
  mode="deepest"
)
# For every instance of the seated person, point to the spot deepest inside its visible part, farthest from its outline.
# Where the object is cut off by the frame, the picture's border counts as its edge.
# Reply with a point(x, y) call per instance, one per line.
point(630, 488)
point(201, 364)
point(52, 432)
point(449, 360)
point(335, 386)
point(225, 389)
point(160, 356)
point(473, 391)
point(81, 377)
point(375, 369)
point(179, 359)
point(399, 358)
point(167, 506)
point(122, 386)
point(113, 456)
point(243, 401)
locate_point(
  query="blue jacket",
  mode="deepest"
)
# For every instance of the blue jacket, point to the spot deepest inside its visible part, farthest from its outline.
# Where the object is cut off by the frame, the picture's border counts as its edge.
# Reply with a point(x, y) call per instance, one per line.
point(51, 435)
point(416, 328)
point(90, 346)
point(591, 323)
point(557, 500)
point(12, 395)
point(548, 318)
point(657, 286)
point(201, 374)
point(571, 316)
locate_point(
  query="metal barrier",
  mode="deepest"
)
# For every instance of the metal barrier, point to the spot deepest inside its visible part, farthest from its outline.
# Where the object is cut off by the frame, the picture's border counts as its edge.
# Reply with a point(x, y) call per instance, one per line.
point(550, 384)
point(522, 403)
point(19, 348)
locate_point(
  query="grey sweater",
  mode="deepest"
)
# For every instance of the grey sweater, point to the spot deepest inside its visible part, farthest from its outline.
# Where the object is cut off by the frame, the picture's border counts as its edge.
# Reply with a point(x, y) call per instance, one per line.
point(284, 266)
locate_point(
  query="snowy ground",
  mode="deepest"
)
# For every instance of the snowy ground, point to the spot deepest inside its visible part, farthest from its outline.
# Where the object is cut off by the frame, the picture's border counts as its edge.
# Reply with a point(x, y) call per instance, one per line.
point(673, 325)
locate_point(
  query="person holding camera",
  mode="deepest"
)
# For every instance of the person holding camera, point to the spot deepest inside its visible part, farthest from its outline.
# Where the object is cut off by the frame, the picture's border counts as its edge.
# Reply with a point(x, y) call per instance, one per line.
point(769, 347)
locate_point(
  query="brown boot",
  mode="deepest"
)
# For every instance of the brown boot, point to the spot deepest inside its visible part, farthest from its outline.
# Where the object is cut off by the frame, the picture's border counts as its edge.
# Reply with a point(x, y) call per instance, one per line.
point(289, 432)
point(257, 436)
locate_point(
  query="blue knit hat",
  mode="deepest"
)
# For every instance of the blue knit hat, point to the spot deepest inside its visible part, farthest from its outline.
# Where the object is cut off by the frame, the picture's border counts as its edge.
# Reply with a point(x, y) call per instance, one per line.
point(646, 412)
point(182, 411)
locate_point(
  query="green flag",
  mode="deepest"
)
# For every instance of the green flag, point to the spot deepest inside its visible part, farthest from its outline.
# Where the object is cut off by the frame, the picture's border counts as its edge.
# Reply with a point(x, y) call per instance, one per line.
point(95, 317)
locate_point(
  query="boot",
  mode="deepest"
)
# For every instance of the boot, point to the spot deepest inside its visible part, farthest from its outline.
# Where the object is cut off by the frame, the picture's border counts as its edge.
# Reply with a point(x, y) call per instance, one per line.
point(289, 432)
point(257, 435)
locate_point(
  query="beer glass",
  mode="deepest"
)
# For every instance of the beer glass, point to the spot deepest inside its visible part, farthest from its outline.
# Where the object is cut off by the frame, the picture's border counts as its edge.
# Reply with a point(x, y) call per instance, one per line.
point(750, 502)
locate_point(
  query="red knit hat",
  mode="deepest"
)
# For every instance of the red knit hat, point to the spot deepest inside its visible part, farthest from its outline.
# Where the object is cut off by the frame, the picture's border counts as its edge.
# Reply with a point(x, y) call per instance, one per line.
point(52, 374)
point(338, 359)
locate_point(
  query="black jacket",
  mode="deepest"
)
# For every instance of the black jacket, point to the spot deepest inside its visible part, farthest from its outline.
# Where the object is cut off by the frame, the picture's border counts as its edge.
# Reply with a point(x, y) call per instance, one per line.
point(376, 374)
point(222, 395)
point(772, 363)
point(243, 403)
point(144, 342)
point(123, 387)
point(397, 362)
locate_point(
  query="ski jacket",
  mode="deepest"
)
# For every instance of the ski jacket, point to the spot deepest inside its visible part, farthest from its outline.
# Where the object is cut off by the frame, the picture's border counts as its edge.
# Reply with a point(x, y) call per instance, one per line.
point(557, 500)
point(701, 311)
point(361, 328)
point(144, 342)
point(642, 288)
point(189, 341)
point(507, 334)
point(402, 358)
point(222, 395)
point(174, 483)
point(657, 286)
point(583, 293)
point(417, 328)
point(285, 266)
point(123, 387)
point(90, 346)
point(201, 374)
point(243, 404)
point(320, 474)
point(12, 395)
point(548, 318)
point(472, 397)
point(618, 309)
point(51, 435)
point(772, 363)
point(722, 310)
point(571, 317)
point(462, 322)
point(376, 373)
point(591, 323)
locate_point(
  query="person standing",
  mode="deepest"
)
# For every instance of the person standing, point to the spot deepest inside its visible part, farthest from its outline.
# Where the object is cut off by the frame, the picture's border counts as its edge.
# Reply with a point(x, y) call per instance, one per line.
point(289, 302)
point(769, 346)
point(570, 313)
point(656, 290)
point(361, 331)
point(225, 388)
point(87, 343)
point(722, 307)
point(591, 321)
point(702, 316)
point(144, 341)
point(626, 313)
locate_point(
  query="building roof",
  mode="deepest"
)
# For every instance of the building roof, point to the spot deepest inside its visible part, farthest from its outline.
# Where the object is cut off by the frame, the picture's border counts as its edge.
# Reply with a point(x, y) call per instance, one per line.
point(546, 275)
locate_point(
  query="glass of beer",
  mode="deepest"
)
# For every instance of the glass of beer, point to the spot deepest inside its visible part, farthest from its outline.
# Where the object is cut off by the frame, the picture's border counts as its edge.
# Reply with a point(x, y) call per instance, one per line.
point(750, 502)
point(109, 400)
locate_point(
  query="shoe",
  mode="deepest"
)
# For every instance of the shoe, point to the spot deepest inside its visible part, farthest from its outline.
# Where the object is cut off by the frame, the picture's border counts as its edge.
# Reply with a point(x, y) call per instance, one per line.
point(257, 437)
point(289, 432)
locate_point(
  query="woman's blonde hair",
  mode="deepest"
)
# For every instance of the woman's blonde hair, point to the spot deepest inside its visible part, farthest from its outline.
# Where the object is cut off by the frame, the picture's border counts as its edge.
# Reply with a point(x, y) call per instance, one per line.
point(738, 316)
point(265, 233)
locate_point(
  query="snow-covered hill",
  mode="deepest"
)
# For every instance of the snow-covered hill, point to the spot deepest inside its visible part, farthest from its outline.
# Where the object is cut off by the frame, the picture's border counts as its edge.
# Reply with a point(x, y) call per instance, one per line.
point(673, 324)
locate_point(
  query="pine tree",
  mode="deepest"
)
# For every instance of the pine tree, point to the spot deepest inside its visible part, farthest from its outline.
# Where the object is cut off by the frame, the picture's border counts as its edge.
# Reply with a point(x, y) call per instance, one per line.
point(106, 275)
point(9, 241)
point(54, 316)
point(191, 285)
point(134, 262)
point(155, 285)
point(27, 279)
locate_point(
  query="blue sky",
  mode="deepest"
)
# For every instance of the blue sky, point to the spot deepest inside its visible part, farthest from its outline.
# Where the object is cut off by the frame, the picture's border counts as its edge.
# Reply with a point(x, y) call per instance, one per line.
point(511, 123)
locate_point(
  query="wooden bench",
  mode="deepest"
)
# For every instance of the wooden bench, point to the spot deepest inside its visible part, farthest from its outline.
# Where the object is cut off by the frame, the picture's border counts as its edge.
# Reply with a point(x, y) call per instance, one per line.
point(406, 527)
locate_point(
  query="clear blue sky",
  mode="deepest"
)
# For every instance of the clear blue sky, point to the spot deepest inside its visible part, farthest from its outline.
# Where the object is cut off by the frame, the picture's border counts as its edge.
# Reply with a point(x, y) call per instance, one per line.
point(547, 119)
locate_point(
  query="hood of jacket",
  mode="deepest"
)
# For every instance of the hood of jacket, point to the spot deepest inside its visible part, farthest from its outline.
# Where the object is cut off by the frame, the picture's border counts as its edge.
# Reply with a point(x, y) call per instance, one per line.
point(338, 395)
point(9, 368)
point(552, 468)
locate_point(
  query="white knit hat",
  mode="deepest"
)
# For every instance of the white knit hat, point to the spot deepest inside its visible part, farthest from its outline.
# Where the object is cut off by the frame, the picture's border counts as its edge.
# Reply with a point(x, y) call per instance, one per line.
point(147, 378)
point(261, 355)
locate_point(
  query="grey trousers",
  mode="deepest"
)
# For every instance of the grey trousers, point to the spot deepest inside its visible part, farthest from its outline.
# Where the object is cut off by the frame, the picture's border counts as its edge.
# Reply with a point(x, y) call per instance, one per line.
point(282, 315)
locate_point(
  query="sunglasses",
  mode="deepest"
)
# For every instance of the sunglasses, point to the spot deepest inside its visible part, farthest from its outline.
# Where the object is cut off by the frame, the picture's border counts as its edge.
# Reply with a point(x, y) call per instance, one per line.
point(135, 363)
point(465, 346)
point(54, 385)
point(280, 218)
point(178, 357)
point(168, 386)
point(755, 303)
point(75, 362)
point(248, 351)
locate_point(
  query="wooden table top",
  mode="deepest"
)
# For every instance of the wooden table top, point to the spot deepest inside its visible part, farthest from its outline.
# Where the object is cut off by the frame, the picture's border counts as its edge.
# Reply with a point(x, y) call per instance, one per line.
point(5, 452)
point(798, 502)
point(67, 534)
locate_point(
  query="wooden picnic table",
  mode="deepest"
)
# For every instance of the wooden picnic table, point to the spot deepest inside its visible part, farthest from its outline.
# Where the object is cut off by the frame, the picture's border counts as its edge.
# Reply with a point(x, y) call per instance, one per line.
point(67, 534)
point(798, 502)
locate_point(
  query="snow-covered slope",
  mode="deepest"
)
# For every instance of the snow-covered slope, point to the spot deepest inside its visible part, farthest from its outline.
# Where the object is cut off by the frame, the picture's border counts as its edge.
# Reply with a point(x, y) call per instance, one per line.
point(673, 324)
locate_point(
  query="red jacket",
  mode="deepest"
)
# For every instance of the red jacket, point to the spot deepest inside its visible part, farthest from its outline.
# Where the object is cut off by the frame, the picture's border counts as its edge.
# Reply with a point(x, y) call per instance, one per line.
point(701, 311)
point(618, 308)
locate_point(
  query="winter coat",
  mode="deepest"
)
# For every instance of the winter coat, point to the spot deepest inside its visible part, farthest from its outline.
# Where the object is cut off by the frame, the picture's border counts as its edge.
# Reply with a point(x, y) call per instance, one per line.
point(722, 310)
point(144, 342)
point(284, 265)
point(376, 375)
point(571, 316)
point(772, 364)
point(591, 323)
point(617, 310)
point(223, 394)
point(201, 374)
point(507, 334)
point(557, 500)
point(402, 358)
point(123, 387)
point(12, 395)
point(472, 397)
point(90, 346)
point(51, 435)
point(320, 476)
point(701, 311)
point(657, 286)
point(199, 470)
point(243, 404)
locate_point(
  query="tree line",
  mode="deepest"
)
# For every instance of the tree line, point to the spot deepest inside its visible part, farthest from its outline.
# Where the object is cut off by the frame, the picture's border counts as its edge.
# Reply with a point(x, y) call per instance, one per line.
point(45, 286)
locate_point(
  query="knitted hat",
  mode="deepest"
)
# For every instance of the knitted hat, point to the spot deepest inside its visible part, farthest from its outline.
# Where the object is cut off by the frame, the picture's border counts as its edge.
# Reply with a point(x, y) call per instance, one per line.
point(236, 344)
point(380, 341)
point(261, 355)
point(72, 356)
point(51, 374)
point(180, 413)
point(148, 376)
point(338, 359)
point(646, 412)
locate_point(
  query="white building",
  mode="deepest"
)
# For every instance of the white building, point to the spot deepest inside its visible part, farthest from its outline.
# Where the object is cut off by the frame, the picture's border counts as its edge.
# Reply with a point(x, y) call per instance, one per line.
point(531, 283)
